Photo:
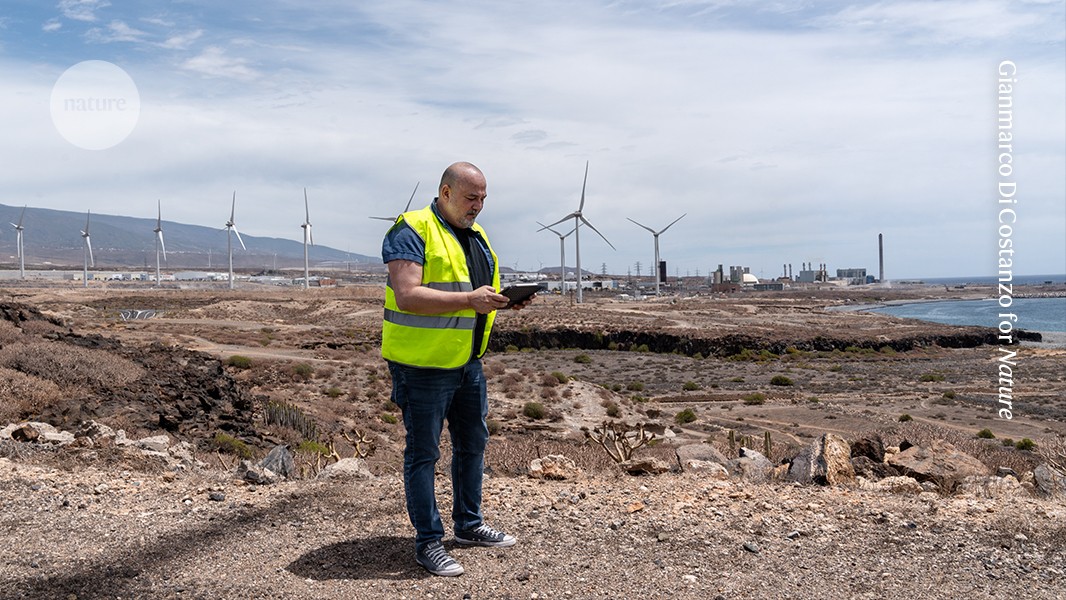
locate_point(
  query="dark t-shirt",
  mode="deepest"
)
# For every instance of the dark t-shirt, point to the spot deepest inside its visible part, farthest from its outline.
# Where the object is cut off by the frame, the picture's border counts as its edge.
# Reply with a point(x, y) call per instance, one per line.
point(480, 274)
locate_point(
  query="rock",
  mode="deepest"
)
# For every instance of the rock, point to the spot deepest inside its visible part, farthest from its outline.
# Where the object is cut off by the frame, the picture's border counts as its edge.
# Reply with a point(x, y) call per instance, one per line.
point(893, 485)
point(700, 452)
point(553, 466)
point(1049, 482)
point(711, 469)
point(869, 469)
point(184, 457)
point(25, 433)
point(751, 465)
point(156, 443)
point(872, 449)
point(990, 486)
point(254, 473)
point(751, 547)
point(826, 461)
point(216, 496)
point(645, 466)
point(279, 460)
point(940, 464)
point(59, 438)
point(95, 430)
point(347, 468)
point(1004, 471)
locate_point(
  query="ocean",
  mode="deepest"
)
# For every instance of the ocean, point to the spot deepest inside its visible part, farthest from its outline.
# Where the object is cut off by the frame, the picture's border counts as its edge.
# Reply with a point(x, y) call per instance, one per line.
point(1034, 314)
point(988, 280)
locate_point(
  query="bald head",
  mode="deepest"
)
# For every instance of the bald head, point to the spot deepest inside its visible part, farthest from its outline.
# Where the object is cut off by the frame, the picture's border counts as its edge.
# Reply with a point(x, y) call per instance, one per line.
point(462, 194)
point(460, 173)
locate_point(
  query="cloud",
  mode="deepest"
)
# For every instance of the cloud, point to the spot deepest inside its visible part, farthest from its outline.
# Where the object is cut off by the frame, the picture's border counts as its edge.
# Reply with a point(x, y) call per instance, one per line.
point(785, 138)
point(941, 23)
point(213, 62)
point(117, 31)
point(51, 25)
point(82, 10)
point(182, 41)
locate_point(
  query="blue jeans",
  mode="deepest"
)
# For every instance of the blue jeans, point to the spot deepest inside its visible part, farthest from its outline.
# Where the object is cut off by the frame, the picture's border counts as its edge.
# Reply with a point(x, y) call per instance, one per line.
point(427, 397)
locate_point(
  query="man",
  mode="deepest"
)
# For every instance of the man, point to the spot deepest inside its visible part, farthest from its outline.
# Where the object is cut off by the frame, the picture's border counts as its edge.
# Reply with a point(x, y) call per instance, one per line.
point(440, 302)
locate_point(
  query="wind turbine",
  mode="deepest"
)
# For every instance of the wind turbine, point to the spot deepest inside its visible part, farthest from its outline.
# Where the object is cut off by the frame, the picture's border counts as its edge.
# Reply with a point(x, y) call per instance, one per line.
point(88, 253)
point(159, 241)
point(562, 254)
point(18, 245)
point(307, 238)
point(231, 226)
point(579, 218)
point(655, 234)
point(406, 208)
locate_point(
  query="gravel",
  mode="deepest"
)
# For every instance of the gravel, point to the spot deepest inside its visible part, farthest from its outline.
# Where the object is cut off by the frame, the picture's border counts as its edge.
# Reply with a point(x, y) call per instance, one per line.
point(105, 532)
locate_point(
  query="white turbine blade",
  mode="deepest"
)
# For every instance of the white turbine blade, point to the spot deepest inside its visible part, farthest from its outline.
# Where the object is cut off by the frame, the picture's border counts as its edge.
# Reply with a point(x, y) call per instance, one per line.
point(581, 206)
point(641, 225)
point(672, 224)
point(233, 206)
point(86, 232)
point(159, 215)
point(409, 200)
point(585, 221)
point(308, 236)
point(543, 227)
point(89, 246)
point(392, 219)
point(13, 225)
point(239, 237)
point(569, 216)
point(23, 214)
point(161, 244)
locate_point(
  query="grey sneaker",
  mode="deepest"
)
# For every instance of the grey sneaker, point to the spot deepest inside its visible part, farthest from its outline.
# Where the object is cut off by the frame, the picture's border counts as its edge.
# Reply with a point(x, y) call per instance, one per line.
point(483, 535)
point(436, 560)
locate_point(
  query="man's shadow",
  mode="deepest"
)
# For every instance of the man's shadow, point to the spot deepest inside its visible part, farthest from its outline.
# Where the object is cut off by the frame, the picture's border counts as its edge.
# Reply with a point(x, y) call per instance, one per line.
point(381, 557)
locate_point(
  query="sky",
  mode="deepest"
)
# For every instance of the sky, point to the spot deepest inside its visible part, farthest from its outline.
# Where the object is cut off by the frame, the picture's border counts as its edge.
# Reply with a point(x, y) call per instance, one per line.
point(786, 132)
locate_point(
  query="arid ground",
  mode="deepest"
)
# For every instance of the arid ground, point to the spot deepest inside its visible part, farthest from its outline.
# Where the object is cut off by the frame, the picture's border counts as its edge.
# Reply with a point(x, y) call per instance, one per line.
point(242, 371)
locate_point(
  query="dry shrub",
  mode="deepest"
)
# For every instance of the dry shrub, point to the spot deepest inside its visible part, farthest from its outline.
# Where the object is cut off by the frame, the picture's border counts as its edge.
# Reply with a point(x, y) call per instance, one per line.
point(9, 334)
point(512, 455)
point(68, 365)
point(39, 327)
point(24, 395)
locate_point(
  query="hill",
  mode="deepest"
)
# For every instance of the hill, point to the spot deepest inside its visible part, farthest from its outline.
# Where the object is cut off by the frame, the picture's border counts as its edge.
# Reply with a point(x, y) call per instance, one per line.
point(53, 238)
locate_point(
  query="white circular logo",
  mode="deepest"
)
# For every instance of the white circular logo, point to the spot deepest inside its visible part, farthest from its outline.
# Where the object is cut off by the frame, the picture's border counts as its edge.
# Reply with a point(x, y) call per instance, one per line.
point(95, 105)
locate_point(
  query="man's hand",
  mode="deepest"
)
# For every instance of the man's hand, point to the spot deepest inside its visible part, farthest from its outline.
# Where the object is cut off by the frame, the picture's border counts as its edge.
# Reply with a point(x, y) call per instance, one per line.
point(485, 299)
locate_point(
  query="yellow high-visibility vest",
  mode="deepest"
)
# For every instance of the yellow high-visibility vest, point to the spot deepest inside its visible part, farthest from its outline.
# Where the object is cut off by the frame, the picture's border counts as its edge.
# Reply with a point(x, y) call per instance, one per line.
point(442, 341)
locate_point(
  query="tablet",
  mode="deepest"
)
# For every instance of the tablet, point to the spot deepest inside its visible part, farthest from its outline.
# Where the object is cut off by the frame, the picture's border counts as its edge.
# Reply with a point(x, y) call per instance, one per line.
point(519, 292)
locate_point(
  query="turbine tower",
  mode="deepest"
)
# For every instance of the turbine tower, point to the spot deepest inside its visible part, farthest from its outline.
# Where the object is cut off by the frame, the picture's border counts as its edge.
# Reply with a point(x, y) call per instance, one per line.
point(231, 226)
point(18, 245)
point(159, 241)
point(562, 255)
point(406, 208)
point(655, 234)
point(88, 252)
point(307, 238)
point(579, 218)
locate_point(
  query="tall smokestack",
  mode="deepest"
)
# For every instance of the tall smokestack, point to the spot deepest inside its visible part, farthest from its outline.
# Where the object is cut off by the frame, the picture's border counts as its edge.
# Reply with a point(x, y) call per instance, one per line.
point(880, 258)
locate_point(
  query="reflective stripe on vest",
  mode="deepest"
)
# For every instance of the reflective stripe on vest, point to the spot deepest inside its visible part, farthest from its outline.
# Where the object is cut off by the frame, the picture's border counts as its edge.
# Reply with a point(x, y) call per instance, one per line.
point(443, 341)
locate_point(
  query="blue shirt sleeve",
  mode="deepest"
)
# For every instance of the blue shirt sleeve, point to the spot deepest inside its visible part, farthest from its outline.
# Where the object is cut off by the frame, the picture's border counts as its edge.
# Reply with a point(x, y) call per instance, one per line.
point(402, 243)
